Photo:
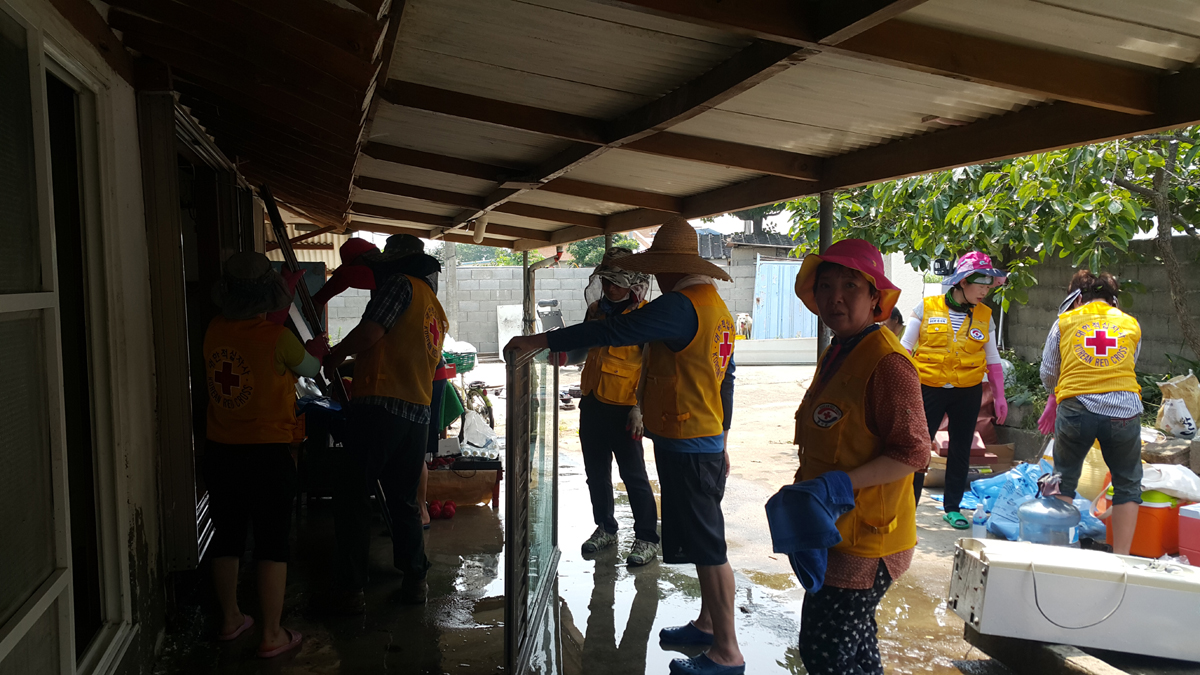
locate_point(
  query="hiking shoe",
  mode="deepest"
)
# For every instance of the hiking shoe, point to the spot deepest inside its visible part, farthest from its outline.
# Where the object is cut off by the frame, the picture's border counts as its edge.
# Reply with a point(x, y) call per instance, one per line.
point(599, 539)
point(643, 552)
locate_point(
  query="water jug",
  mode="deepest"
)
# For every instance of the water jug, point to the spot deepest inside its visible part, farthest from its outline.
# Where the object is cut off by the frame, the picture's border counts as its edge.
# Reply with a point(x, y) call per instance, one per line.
point(1048, 520)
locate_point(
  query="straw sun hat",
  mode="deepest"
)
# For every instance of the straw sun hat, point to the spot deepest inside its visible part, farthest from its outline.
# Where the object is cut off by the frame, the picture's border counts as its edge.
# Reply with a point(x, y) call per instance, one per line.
point(676, 250)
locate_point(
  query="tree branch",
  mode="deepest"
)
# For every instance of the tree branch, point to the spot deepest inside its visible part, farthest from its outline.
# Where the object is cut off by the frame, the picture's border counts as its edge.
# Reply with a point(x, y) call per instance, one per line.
point(1167, 137)
point(1187, 227)
point(1134, 187)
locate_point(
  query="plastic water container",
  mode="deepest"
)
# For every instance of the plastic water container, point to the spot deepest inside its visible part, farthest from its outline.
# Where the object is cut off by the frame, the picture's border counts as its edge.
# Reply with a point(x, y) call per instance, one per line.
point(1048, 520)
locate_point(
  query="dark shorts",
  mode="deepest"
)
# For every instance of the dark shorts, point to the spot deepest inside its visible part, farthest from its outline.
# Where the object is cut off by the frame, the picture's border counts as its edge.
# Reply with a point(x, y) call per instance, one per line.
point(1077, 428)
point(250, 485)
point(693, 527)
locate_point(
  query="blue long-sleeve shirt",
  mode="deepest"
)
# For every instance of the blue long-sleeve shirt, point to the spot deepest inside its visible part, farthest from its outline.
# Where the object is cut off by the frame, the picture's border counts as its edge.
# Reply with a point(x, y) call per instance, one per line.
point(670, 319)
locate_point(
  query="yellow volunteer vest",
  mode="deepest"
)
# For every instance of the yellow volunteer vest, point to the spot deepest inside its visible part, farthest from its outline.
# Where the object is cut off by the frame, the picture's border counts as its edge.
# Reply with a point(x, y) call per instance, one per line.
point(612, 373)
point(1097, 344)
point(944, 357)
point(832, 432)
point(248, 401)
point(683, 389)
point(401, 365)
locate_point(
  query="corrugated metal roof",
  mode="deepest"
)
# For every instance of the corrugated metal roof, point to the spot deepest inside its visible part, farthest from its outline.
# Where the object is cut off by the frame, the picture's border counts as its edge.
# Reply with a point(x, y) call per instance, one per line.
point(832, 104)
point(665, 175)
point(360, 195)
point(411, 175)
point(567, 202)
point(558, 58)
point(458, 137)
point(1162, 34)
point(304, 250)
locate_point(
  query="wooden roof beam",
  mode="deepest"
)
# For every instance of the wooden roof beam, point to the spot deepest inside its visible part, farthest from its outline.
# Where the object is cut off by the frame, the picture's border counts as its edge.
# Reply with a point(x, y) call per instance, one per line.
point(664, 144)
point(346, 29)
point(444, 222)
point(907, 45)
point(840, 20)
point(475, 202)
point(498, 174)
point(364, 226)
point(86, 19)
point(1017, 134)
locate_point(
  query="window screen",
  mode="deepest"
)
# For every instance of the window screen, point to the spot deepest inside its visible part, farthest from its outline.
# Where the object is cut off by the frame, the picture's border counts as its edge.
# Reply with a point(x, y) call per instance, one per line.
point(20, 258)
point(38, 651)
point(26, 499)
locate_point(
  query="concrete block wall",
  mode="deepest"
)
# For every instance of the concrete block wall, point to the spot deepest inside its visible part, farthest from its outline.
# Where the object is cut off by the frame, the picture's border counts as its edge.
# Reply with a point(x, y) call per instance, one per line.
point(481, 289)
point(1029, 324)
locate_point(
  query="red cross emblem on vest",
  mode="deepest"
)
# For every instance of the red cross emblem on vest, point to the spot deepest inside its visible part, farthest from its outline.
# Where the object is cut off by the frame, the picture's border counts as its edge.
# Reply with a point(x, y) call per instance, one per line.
point(434, 332)
point(227, 378)
point(1100, 343)
point(725, 349)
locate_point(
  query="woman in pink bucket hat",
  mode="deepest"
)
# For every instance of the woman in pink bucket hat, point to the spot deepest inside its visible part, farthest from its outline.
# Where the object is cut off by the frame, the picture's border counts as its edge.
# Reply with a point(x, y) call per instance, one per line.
point(859, 444)
point(953, 341)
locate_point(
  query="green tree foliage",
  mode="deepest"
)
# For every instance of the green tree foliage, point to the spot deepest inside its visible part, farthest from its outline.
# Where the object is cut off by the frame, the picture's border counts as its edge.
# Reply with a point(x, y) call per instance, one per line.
point(759, 214)
point(475, 254)
point(589, 252)
point(1083, 203)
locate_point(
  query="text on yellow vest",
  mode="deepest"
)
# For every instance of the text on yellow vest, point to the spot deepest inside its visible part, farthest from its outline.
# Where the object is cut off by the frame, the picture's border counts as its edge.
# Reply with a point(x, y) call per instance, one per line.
point(1097, 345)
point(249, 401)
point(611, 374)
point(683, 389)
point(832, 432)
point(945, 357)
point(401, 365)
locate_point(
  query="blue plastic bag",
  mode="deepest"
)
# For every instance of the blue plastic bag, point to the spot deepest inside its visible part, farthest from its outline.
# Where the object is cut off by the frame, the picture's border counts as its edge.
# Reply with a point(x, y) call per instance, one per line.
point(1020, 486)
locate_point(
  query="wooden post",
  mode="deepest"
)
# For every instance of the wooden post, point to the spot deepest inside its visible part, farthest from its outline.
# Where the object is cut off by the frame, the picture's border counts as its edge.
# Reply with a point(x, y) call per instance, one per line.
point(527, 324)
point(825, 239)
point(450, 281)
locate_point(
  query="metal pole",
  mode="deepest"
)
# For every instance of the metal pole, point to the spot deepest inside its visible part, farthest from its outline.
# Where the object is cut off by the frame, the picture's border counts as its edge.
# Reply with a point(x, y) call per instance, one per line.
point(825, 239)
point(608, 238)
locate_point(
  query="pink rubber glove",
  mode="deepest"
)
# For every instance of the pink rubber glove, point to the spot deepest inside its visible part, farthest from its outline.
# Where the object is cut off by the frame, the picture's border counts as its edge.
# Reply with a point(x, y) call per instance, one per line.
point(1049, 417)
point(557, 359)
point(318, 347)
point(996, 377)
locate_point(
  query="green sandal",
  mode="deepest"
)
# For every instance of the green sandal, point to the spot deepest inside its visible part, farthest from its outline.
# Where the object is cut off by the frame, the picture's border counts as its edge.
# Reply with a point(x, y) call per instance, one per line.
point(957, 520)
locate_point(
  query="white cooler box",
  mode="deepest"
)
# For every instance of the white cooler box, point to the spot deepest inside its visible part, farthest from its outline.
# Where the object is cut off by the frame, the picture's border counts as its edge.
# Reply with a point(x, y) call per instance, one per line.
point(1077, 597)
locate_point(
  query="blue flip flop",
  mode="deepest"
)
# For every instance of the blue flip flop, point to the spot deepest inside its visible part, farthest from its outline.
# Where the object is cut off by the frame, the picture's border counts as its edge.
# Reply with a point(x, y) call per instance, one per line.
point(685, 635)
point(702, 665)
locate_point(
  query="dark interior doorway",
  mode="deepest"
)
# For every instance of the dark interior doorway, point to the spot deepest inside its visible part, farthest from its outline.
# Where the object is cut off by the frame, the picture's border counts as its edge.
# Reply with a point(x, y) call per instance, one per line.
point(65, 152)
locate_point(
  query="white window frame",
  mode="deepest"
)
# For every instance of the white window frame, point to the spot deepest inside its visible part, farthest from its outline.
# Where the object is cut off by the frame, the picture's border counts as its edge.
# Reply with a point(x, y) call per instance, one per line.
point(99, 212)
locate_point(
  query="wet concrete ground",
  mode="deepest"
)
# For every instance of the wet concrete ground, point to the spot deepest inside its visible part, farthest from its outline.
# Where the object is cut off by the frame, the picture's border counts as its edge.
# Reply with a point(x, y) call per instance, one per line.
point(609, 615)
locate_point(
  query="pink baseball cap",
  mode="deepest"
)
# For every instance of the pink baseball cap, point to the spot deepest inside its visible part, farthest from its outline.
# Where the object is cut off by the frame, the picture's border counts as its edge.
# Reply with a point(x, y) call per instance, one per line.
point(858, 255)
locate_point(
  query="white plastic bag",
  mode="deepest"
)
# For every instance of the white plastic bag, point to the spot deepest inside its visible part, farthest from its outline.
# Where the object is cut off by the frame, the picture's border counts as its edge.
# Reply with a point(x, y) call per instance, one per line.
point(476, 431)
point(1175, 419)
point(1171, 479)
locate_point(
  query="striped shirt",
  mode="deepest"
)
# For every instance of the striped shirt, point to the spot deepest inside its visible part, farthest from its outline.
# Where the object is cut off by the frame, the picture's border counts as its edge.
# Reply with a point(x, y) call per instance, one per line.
point(387, 304)
point(1116, 404)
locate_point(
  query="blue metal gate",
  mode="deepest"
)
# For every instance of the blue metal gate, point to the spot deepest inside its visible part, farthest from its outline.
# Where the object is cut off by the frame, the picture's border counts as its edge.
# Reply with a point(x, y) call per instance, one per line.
point(778, 313)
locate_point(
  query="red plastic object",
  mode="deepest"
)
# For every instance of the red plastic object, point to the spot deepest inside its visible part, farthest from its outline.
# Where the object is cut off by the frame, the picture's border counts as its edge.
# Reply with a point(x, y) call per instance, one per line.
point(449, 372)
point(449, 509)
point(435, 509)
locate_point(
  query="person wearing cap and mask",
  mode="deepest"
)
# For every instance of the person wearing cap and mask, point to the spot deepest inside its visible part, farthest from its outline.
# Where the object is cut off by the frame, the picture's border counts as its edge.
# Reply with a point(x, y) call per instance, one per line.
point(355, 272)
point(610, 419)
point(1088, 366)
point(856, 426)
point(687, 408)
point(250, 367)
point(953, 340)
point(398, 344)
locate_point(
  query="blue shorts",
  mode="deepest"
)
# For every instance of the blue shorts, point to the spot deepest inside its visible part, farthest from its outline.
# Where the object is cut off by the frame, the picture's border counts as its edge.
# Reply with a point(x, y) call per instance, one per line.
point(1077, 428)
point(693, 527)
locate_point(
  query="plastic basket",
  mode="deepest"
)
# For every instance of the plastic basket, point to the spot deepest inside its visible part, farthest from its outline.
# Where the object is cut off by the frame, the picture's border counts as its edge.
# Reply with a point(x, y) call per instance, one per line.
point(463, 361)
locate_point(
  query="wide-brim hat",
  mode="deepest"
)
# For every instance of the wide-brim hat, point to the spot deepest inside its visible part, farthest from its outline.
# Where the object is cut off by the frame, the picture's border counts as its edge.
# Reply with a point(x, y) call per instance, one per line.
point(250, 286)
point(675, 250)
point(858, 255)
point(976, 262)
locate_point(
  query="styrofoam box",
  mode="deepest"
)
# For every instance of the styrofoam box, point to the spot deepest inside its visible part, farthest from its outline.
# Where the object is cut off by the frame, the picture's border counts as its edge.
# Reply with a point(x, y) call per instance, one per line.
point(448, 447)
point(1077, 597)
